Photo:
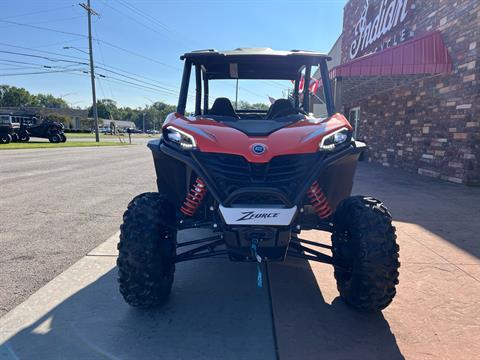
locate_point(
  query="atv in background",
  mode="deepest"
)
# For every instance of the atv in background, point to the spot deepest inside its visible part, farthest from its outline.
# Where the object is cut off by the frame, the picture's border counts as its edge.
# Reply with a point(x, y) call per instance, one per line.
point(257, 179)
point(31, 126)
point(7, 133)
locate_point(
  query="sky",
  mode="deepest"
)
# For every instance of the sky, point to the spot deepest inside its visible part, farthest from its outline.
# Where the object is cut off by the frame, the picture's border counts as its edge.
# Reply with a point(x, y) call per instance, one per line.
point(137, 43)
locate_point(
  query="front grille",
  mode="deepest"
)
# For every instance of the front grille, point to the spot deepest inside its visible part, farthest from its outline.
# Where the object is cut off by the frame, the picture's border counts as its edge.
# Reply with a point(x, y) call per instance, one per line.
point(285, 173)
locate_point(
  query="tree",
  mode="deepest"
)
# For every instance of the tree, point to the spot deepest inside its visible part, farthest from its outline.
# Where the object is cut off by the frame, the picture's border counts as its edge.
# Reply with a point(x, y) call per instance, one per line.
point(245, 105)
point(107, 109)
point(11, 96)
point(50, 101)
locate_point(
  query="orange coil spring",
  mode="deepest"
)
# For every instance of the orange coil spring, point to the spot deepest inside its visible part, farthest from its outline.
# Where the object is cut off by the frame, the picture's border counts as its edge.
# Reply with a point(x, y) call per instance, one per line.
point(194, 198)
point(319, 201)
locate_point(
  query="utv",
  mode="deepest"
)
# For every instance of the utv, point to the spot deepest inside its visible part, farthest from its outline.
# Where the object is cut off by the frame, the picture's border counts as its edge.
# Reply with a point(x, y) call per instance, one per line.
point(7, 132)
point(257, 179)
point(31, 126)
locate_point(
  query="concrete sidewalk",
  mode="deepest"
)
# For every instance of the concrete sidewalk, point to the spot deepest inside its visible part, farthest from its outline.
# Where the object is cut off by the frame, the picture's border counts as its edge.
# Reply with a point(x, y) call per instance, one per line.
point(217, 312)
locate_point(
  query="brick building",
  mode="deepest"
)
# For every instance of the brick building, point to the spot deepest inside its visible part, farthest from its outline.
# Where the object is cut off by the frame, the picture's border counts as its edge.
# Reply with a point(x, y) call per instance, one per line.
point(408, 80)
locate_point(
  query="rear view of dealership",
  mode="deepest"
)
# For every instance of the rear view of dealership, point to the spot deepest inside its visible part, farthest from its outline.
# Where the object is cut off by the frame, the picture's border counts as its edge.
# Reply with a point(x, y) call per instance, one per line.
point(405, 72)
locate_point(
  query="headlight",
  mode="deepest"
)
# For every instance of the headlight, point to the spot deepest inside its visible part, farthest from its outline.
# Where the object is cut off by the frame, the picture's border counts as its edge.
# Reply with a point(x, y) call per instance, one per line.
point(186, 141)
point(333, 140)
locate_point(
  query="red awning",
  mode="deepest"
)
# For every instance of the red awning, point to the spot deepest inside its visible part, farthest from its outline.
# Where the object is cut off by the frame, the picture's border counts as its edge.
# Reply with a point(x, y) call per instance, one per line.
point(423, 55)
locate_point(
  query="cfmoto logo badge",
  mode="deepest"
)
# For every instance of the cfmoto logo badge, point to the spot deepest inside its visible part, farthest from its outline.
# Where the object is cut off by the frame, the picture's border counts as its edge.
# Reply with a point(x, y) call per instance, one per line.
point(258, 149)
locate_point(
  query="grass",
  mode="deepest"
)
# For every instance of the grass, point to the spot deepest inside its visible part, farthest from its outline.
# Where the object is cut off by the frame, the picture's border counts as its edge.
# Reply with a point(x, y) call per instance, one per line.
point(47, 145)
point(92, 135)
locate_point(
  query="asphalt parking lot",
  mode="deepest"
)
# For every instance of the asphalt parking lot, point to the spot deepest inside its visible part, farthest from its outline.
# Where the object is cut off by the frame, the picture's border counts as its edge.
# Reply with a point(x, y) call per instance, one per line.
point(58, 204)
point(216, 311)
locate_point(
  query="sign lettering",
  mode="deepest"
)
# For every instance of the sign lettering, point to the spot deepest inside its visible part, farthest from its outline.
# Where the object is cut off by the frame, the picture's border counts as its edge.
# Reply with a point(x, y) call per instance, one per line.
point(370, 28)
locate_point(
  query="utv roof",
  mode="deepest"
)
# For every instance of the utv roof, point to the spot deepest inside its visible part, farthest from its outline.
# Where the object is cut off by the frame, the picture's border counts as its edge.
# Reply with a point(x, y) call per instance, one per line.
point(253, 63)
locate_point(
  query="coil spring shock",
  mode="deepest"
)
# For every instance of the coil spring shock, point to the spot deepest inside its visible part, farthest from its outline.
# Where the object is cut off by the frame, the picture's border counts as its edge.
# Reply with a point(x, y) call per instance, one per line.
point(319, 201)
point(194, 198)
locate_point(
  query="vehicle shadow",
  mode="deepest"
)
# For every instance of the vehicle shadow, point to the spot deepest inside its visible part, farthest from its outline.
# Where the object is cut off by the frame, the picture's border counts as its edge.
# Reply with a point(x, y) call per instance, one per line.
point(308, 327)
point(444, 209)
point(215, 312)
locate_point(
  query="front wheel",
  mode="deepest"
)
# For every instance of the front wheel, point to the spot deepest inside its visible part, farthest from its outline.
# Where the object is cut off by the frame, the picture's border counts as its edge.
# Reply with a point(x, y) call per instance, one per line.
point(5, 138)
point(365, 253)
point(63, 138)
point(146, 250)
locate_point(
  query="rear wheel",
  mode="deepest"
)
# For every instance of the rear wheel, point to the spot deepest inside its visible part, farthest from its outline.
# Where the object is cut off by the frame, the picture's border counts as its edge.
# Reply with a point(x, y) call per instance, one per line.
point(365, 253)
point(15, 137)
point(146, 250)
point(5, 138)
point(63, 138)
point(54, 138)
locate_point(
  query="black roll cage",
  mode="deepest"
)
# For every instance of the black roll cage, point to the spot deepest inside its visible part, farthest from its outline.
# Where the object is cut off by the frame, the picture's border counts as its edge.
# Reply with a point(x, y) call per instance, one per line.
point(201, 77)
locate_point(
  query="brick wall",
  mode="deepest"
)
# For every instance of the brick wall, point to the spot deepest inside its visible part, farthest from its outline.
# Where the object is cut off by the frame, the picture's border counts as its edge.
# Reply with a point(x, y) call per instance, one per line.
point(430, 126)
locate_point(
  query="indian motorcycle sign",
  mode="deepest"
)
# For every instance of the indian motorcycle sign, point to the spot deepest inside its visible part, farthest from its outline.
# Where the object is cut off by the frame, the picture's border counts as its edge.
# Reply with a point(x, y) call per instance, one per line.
point(379, 28)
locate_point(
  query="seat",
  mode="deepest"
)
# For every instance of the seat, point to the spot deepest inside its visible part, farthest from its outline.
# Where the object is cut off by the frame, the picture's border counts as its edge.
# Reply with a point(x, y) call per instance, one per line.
point(223, 107)
point(280, 108)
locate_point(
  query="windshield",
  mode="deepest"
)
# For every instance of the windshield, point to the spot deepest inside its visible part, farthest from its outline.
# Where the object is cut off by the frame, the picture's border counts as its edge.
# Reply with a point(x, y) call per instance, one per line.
point(250, 95)
point(279, 97)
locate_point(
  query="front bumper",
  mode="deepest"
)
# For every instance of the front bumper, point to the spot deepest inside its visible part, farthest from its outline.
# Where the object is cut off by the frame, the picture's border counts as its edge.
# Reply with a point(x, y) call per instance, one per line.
point(287, 188)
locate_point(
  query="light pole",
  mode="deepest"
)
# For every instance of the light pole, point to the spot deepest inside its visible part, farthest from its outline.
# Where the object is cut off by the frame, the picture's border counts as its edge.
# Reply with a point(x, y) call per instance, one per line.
point(75, 48)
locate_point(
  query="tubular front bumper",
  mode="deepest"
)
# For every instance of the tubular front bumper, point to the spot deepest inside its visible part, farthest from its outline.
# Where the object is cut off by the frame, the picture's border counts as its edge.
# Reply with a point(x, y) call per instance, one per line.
point(325, 160)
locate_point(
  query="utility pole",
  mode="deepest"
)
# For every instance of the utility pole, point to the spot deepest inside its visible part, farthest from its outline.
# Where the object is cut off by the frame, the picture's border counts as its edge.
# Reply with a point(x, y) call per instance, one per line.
point(91, 12)
point(236, 95)
point(143, 118)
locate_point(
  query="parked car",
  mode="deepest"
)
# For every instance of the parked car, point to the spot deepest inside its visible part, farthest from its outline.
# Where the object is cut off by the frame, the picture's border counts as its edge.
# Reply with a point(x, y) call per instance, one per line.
point(133, 131)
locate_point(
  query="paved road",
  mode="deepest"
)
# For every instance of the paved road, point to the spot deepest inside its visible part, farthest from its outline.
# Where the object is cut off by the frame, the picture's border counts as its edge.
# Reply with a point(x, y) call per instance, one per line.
point(58, 204)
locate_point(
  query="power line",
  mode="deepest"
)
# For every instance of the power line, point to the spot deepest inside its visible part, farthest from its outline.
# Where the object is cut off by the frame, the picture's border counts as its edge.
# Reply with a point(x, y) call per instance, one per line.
point(43, 28)
point(43, 51)
point(145, 16)
point(38, 12)
point(43, 57)
point(19, 64)
point(85, 60)
point(143, 87)
point(41, 72)
point(139, 55)
point(103, 59)
point(141, 81)
point(84, 63)
point(103, 41)
point(130, 17)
